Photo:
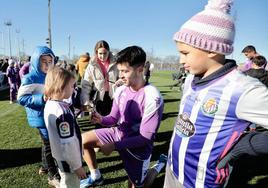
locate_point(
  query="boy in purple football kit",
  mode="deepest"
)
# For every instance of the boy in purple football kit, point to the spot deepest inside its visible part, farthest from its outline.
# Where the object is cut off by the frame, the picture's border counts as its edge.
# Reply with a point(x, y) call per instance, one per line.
point(136, 112)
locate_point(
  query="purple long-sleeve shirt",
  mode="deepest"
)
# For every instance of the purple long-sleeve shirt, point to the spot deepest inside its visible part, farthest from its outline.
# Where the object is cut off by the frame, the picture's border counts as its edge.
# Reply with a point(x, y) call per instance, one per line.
point(24, 69)
point(137, 114)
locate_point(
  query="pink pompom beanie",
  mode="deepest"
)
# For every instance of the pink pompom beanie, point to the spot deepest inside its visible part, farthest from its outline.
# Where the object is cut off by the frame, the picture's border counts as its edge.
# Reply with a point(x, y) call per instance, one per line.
point(212, 29)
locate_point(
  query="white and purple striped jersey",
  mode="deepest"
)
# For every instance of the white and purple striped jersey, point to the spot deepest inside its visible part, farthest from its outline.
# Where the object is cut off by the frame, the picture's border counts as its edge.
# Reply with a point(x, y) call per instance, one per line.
point(211, 118)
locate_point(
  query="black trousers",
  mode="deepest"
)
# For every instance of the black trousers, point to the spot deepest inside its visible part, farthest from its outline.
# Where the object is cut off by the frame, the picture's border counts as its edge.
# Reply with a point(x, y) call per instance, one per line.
point(104, 107)
point(47, 159)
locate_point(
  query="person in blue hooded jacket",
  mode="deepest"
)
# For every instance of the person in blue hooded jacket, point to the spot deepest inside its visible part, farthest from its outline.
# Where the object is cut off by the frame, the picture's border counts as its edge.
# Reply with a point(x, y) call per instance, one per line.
point(31, 96)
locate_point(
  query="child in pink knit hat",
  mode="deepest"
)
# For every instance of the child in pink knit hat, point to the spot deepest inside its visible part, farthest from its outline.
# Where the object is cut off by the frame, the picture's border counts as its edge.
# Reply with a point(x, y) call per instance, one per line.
point(218, 101)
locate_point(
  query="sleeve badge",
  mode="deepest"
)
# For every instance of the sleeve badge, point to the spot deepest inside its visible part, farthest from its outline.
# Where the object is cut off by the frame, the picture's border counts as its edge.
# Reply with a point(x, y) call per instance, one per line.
point(64, 129)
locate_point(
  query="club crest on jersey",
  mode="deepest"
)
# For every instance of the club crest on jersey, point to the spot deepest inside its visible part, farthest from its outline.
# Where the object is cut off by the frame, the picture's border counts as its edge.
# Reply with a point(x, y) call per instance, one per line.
point(64, 129)
point(184, 127)
point(210, 107)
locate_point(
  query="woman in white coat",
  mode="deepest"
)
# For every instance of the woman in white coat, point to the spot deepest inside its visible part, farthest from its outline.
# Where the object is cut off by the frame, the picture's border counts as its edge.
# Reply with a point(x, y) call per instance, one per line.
point(100, 79)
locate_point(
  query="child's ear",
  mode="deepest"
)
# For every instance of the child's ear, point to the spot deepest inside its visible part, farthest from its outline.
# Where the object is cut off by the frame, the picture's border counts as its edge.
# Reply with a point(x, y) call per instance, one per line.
point(140, 68)
point(212, 54)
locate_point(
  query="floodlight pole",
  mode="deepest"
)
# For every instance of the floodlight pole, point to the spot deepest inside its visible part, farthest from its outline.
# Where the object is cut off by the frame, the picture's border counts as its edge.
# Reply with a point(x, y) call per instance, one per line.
point(49, 26)
point(69, 50)
point(9, 24)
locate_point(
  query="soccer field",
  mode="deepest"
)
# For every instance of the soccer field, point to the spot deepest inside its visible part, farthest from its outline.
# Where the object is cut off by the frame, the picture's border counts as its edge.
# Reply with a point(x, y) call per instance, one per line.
point(20, 145)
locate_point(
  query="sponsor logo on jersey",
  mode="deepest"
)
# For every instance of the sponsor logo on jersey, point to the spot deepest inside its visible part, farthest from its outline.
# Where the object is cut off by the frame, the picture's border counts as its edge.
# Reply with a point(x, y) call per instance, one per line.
point(210, 107)
point(184, 127)
point(64, 128)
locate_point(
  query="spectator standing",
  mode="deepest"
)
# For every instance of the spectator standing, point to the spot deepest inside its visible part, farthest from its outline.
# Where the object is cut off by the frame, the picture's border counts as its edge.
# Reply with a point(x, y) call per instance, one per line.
point(257, 69)
point(31, 96)
point(25, 69)
point(12, 74)
point(81, 65)
point(64, 132)
point(100, 76)
point(147, 71)
point(250, 52)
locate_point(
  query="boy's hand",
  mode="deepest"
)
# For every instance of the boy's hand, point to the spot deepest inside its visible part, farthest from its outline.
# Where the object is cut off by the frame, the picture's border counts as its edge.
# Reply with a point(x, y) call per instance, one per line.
point(119, 82)
point(96, 117)
point(107, 149)
point(81, 173)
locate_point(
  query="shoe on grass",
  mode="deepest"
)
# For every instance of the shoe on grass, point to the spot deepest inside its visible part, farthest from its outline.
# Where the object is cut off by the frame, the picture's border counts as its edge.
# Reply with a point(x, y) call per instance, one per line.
point(42, 171)
point(160, 164)
point(90, 182)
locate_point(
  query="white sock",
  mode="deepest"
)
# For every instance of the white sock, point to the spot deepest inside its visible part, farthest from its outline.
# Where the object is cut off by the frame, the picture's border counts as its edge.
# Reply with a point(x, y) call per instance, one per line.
point(95, 173)
point(158, 166)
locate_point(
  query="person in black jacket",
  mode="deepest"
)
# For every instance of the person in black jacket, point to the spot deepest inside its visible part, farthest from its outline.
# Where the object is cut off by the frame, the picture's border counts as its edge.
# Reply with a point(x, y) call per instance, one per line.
point(147, 71)
point(257, 70)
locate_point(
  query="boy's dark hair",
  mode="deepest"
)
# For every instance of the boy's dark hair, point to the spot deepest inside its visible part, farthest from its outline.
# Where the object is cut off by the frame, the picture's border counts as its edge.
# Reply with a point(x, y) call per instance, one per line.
point(133, 55)
point(260, 61)
point(249, 48)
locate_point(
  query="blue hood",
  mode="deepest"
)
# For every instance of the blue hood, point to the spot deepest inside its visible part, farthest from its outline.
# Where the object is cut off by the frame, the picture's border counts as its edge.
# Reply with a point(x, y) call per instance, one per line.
point(30, 94)
point(35, 60)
